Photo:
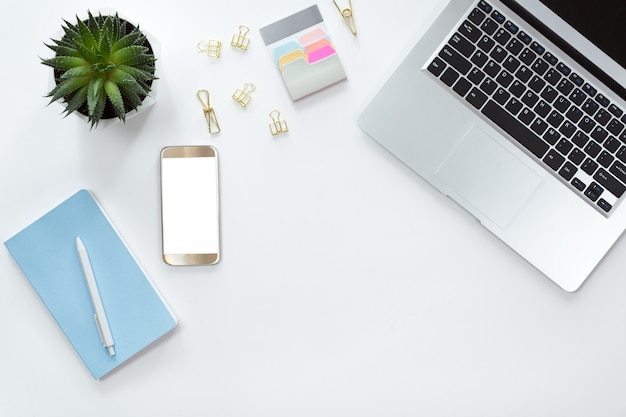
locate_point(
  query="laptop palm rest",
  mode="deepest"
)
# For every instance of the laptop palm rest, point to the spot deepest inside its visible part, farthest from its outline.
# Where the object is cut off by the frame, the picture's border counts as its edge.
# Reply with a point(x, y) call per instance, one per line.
point(486, 178)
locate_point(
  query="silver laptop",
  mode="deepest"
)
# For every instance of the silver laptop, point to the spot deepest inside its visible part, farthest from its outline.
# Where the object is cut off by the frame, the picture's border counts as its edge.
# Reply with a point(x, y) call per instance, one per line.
point(517, 111)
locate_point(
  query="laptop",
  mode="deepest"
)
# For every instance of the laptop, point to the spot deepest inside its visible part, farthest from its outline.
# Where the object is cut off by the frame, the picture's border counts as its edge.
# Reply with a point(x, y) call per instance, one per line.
point(516, 109)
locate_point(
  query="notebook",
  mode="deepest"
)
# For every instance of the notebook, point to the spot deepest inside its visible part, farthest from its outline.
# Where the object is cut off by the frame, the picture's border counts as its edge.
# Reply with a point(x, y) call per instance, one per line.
point(303, 52)
point(47, 255)
point(516, 110)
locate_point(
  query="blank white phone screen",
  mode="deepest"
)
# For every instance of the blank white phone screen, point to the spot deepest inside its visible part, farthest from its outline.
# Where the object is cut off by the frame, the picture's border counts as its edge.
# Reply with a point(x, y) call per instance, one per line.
point(190, 205)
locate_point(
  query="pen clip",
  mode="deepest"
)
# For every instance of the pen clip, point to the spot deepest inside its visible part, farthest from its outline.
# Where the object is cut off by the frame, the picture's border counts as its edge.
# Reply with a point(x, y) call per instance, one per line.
point(95, 317)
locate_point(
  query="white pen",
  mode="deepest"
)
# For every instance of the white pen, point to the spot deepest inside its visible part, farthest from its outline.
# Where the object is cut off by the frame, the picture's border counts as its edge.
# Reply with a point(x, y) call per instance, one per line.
point(101, 319)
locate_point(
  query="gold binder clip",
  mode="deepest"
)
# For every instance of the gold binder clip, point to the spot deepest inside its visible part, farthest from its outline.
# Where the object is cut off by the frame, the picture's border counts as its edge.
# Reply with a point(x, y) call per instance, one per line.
point(277, 126)
point(242, 96)
point(211, 47)
point(347, 15)
point(239, 40)
point(209, 113)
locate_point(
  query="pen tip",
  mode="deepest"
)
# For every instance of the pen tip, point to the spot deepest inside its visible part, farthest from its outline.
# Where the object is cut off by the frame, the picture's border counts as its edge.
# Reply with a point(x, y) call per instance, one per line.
point(111, 350)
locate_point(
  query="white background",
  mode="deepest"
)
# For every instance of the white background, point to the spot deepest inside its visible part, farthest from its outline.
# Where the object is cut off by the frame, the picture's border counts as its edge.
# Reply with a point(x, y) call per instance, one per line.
point(347, 285)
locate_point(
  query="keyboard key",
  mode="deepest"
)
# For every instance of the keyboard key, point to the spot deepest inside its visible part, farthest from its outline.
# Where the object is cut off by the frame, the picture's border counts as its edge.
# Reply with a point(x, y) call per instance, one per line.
point(552, 77)
point(517, 88)
point(576, 156)
point(526, 116)
point(594, 191)
point(599, 134)
point(486, 43)
point(488, 86)
point(517, 130)
point(576, 79)
point(489, 26)
point(562, 104)
point(540, 66)
point(542, 109)
point(549, 94)
point(537, 48)
point(578, 184)
point(619, 170)
point(593, 149)
point(511, 64)
point(612, 144)
point(574, 114)
point(498, 54)
point(476, 76)
point(604, 205)
point(485, 7)
point(615, 127)
point(480, 58)
point(610, 182)
point(523, 36)
point(564, 146)
point(476, 16)
point(502, 36)
point(449, 77)
point(462, 45)
point(615, 111)
point(589, 89)
point(602, 100)
point(578, 97)
point(564, 69)
point(551, 136)
point(462, 87)
point(589, 166)
point(590, 107)
point(530, 98)
point(536, 84)
point(568, 171)
point(621, 154)
point(511, 27)
point(452, 57)
point(492, 69)
point(514, 106)
point(470, 31)
point(565, 87)
point(555, 119)
point(524, 74)
point(539, 126)
point(554, 160)
point(603, 117)
point(586, 124)
point(504, 79)
point(567, 129)
point(605, 159)
point(514, 46)
point(436, 67)
point(551, 59)
point(498, 17)
point(476, 98)
point(501, 96)
point(527, 57)
point(580, 139)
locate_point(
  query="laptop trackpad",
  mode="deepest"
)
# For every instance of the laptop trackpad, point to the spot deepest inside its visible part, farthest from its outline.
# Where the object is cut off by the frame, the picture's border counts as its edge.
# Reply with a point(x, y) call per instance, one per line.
point(481, 173)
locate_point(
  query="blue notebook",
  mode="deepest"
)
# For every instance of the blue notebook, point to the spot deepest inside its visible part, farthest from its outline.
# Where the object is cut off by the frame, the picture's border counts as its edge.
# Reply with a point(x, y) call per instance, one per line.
point(46, 253)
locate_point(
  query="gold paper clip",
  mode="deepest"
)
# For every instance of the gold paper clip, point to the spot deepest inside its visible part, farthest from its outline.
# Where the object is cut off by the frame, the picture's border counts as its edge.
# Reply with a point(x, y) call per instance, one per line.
point(211, 47)
point(277, 126)
point(239, 40)
point(242, 96)
point(209, 113)
point(347, 15)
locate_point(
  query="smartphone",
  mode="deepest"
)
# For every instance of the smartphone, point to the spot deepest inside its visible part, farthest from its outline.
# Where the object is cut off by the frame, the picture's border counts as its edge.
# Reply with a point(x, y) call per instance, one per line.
point(190, 205)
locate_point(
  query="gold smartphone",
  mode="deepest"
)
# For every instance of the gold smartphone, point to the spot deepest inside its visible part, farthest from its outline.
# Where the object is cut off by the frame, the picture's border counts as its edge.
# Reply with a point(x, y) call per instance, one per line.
point(190, 205)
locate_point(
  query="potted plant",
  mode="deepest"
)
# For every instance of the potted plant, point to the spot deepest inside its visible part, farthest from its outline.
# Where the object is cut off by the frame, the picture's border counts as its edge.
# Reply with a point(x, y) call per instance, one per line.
point(103, 67)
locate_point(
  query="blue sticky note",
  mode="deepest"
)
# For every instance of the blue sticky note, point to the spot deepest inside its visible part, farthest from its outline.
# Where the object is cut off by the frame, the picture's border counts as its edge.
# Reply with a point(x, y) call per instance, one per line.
point(47, 255)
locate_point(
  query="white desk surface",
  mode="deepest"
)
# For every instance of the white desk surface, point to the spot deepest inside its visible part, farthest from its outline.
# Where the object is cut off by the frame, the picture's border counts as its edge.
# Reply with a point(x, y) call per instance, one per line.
point(347, 286)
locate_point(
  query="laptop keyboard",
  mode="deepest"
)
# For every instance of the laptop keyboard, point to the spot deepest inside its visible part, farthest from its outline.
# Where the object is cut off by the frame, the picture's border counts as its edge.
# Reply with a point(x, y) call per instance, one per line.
point(566, 123)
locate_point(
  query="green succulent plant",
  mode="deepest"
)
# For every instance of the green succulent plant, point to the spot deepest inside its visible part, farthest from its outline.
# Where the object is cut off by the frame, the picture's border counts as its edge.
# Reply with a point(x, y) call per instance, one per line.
point(101, 63)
